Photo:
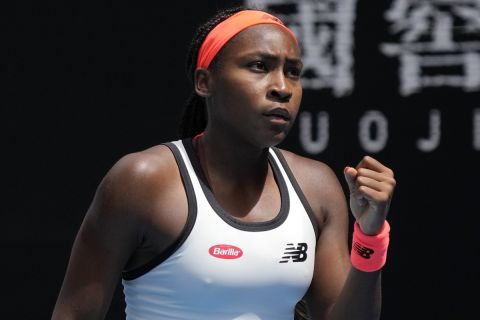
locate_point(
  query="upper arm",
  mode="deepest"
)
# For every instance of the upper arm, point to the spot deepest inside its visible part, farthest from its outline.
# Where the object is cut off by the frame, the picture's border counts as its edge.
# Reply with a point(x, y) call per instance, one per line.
point(332, 262)
point(109, 233)
point(327, 200)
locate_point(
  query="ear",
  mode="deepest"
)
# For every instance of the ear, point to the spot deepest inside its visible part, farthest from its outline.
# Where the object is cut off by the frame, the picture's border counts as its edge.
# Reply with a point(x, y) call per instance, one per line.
point(203, 82)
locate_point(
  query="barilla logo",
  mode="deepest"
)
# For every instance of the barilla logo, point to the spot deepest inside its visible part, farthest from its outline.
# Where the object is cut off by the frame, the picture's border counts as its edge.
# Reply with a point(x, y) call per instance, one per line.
point(225, 251)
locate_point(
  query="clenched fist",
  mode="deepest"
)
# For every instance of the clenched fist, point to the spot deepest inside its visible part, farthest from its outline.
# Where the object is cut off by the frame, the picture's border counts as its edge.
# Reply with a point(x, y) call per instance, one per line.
point(371, 187)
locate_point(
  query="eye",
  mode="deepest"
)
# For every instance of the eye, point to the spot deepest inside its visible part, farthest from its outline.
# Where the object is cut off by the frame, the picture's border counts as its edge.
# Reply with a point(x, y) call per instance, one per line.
point(257, 66)
point(294, 72)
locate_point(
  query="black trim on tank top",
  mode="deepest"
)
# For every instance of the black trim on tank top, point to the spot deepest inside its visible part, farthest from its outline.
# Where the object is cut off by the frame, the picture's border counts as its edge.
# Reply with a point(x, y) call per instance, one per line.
point(227, 217)
point(187, 229)
point(298, 190)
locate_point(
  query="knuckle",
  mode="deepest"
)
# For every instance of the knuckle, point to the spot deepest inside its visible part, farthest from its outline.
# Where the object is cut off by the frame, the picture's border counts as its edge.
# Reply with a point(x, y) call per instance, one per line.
point(361, 180)
point(393, 183)
point(362, 189)
point(390, 172)
point(383, 197)
point(389, 189)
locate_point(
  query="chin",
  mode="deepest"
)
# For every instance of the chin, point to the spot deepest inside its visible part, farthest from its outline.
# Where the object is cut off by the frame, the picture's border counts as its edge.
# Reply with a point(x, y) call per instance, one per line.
point(277, 138)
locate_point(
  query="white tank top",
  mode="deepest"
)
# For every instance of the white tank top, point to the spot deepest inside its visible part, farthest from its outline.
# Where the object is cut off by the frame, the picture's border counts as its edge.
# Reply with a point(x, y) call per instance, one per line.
point(222, 268)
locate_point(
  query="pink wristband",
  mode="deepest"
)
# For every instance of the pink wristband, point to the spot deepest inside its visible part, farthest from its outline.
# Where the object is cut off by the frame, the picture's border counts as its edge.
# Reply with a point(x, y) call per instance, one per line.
point(369, 253)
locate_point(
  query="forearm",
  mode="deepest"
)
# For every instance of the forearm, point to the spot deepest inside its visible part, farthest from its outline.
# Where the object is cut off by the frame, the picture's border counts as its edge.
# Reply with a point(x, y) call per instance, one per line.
point(89, 306)
point(68, 313)
point(62, 313)
point(360, 297)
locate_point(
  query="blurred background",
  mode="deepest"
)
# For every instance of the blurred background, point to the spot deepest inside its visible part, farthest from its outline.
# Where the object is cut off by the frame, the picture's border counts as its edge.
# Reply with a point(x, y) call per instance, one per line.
point(84, 84)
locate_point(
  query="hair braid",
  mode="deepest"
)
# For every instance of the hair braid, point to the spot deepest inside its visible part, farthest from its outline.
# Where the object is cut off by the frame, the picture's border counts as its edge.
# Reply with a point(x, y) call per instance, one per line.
point(194, 118)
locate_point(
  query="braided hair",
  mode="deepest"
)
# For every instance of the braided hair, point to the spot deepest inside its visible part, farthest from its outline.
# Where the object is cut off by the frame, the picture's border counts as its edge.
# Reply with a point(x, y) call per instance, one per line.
point(194, 118)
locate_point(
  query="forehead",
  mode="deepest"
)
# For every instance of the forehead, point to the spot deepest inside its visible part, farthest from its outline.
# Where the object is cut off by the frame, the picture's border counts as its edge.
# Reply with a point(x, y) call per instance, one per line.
point(263, 38)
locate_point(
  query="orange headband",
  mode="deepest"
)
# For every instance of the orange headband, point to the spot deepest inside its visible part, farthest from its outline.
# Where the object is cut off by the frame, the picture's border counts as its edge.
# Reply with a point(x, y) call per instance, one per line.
point(228, 28)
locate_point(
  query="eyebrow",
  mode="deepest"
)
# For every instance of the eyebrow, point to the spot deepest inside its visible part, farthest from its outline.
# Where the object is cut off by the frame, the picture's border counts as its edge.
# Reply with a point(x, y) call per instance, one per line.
point(269, 56)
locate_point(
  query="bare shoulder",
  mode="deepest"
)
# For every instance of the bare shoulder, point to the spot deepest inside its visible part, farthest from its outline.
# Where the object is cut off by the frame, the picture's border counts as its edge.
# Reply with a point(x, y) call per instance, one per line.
point(319, 183)
point(308, 171)
point(145, 164)
point(136, 179)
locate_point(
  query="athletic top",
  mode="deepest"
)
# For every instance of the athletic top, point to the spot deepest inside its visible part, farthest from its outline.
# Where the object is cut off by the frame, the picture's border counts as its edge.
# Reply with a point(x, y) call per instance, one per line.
point(222, 268)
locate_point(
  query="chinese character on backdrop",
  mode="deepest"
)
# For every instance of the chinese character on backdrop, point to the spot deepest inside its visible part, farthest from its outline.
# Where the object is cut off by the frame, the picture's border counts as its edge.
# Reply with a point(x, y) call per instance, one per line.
point(437, 43)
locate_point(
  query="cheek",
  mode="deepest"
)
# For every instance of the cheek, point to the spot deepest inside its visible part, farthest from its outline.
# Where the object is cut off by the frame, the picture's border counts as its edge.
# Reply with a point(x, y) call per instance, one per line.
point(297, 99)
point(250, 93)
point(300, 95)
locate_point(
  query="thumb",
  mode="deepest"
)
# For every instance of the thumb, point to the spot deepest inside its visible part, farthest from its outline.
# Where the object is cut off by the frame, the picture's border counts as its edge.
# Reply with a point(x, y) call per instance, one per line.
point(350, 176)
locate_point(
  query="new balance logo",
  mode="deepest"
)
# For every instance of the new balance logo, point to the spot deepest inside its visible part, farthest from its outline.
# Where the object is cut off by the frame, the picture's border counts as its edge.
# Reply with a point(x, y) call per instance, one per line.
point(362, 251)
point(295, 253)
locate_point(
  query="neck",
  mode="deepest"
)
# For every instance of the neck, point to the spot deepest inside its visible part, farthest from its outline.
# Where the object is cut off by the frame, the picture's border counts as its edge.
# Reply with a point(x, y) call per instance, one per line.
point(224, 158)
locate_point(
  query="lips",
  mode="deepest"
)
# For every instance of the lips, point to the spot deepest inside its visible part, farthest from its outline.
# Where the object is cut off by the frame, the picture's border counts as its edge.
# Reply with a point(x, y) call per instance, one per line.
point(278, 113)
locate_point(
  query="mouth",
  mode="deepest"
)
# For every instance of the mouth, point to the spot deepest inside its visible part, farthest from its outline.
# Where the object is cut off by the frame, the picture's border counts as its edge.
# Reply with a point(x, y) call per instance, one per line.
point(278, 114)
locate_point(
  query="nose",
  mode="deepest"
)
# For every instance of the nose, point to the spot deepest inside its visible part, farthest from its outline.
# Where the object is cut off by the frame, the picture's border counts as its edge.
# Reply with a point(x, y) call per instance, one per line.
point(279, 90)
